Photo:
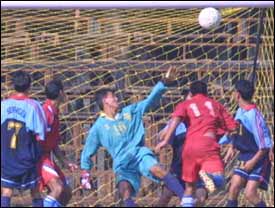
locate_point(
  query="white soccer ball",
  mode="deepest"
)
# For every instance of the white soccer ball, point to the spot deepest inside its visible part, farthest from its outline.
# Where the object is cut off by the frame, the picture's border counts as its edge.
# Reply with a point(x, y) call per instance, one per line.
point(209, 18)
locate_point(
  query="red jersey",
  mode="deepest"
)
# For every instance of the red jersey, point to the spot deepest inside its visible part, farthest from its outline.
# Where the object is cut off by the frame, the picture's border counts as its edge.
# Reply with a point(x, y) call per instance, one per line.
point(52, 136)
point(202, 114)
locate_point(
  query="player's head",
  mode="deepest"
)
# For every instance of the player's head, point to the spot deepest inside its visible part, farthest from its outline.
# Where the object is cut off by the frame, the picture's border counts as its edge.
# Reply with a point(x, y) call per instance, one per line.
point(21, 81)
point(106, 98)
point(198, 87)
point(54, 90)
point(244, 89)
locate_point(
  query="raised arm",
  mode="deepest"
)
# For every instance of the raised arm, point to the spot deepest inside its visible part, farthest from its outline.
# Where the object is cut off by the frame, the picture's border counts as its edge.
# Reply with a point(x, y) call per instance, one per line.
point(157, 92)
point(150, 102)
point(174, 122)
point(90, 148)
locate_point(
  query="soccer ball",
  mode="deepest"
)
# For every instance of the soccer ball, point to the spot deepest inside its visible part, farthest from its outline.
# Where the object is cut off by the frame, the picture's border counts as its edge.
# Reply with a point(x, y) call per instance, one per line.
point(209, 18)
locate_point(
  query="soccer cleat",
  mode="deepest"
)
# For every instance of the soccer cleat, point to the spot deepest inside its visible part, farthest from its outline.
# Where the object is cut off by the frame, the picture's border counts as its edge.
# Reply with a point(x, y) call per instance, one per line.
point(209, 183)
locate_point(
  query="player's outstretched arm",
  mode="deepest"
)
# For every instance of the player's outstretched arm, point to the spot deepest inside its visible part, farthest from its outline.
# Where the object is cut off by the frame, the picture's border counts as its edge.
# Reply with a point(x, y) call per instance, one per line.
point(156, 93)
point(174, 122)
point(170, 75)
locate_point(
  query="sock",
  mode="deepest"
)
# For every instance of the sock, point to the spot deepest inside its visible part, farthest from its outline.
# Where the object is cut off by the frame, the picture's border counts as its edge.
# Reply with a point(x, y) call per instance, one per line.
point(49, 201)
point(187, 201)
point(37, 202)
point(232, 203)
point(129, 203)
point(173, 184)
point(219, 180)
point(5, 201)
point(261, 204)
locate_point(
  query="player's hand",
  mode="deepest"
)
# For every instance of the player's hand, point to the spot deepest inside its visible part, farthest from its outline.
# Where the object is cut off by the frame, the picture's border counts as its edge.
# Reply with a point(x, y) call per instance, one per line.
point(170, 75)
point(85, 180)
point(248, 165)
point(160, 146)
point(229, 154)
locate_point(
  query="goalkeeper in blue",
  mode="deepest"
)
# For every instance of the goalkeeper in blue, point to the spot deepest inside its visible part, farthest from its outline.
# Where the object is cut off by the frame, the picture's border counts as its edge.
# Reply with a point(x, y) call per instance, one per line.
point(122, 132)
point(254, 143)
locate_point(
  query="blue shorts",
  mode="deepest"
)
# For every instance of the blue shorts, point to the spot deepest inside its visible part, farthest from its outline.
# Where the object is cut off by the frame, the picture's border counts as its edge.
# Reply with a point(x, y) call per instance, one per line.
point(28, 180)
point(261, 172)
point(139, 166)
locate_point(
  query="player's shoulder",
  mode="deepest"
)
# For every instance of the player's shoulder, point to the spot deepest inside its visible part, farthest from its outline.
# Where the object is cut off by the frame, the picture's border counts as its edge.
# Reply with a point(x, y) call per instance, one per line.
point(33, 102)
point(255, 113)
point(216, 104)
point(98, 123)
point(184, 103)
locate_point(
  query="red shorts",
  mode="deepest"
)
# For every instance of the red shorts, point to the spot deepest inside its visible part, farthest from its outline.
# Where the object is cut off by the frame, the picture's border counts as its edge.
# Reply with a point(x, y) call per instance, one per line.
point(47, 170)
point(199, 157)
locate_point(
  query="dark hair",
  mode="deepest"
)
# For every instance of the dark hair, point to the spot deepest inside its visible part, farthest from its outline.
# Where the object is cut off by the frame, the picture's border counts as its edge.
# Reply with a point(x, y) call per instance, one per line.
point(21, 81)
point(245, 88)
point(198, 87)
point(100, 94)
point(53, 89)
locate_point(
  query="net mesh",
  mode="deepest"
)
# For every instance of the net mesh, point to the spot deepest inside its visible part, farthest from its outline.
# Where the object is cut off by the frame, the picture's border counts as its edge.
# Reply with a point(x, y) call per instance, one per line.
point(130, 50)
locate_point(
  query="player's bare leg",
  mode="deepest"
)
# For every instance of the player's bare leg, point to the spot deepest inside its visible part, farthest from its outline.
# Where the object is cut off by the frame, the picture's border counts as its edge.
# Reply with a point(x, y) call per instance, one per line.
point(236, 183)
point(170, 181)
point(6, 194)
point(201, 196)
point(125, 191)
point(56, 188)
point(252, 195)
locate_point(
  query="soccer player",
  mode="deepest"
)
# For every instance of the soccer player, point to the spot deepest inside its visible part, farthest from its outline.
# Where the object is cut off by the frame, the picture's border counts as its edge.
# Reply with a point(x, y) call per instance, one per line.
point(253, 142)
point(176, 143)
point(51, 175)
point(201, 153)
point(122, 134)
point(22, 125)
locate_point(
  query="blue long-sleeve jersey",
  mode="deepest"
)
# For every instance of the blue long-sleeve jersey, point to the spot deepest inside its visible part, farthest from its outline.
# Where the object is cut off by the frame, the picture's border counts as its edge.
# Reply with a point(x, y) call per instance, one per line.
point(122, 136)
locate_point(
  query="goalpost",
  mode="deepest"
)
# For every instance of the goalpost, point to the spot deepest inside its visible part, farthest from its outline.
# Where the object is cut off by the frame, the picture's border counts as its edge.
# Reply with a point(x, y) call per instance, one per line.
point(90, 45)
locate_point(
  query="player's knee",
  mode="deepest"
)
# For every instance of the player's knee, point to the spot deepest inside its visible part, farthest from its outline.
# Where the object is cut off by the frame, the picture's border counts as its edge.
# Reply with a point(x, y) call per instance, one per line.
point(234, 188)
point(57, 189)
point(124, 189)
point(7, 192)
point(250, 194)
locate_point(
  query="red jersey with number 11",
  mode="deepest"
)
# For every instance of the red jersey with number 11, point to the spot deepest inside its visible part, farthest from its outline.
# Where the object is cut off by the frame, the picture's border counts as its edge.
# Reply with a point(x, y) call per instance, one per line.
point(202, 114)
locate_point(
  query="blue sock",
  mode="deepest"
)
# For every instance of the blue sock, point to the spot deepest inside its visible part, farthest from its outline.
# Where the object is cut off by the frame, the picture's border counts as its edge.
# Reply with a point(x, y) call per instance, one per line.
point(5, 201)
point(49, 201)
point(261, 204)
point(129, 203)
point(173, 184)
point(37, 202)
point(219, 180)
point(187, 201)
point(232, 203)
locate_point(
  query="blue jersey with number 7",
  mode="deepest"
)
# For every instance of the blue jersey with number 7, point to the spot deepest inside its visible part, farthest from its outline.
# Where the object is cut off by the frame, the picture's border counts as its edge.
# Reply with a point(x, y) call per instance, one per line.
point(22, 124)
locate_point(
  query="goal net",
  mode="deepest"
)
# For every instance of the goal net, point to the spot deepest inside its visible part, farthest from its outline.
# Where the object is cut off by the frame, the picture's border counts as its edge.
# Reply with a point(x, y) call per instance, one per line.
point(130, 49)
